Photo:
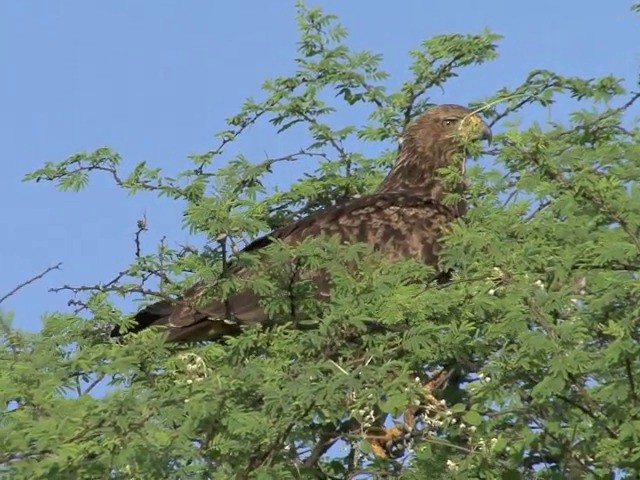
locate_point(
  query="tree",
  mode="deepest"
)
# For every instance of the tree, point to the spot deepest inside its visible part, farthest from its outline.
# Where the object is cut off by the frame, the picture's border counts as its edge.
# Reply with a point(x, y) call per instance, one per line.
point(539, 317)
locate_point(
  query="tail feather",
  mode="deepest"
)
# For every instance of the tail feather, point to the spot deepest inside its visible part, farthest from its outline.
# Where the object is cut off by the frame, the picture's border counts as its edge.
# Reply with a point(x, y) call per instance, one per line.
point(186, 322)
point(188, 319)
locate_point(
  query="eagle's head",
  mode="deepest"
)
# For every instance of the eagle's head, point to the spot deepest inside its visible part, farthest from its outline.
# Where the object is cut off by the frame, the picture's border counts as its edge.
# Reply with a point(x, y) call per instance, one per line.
point(437, 139)
point(442, 132)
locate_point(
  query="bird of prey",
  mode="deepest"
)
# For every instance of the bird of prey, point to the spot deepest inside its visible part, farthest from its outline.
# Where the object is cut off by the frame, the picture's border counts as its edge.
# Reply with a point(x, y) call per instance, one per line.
point(403, 219)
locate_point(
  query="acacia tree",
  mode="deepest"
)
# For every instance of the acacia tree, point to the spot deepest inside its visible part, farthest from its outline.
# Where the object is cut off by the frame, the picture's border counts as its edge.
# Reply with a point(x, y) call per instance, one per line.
point(540, 317)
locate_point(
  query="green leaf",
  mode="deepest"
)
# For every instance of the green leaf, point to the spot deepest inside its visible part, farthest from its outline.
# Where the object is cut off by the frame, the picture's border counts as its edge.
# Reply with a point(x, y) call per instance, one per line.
point(472, 418)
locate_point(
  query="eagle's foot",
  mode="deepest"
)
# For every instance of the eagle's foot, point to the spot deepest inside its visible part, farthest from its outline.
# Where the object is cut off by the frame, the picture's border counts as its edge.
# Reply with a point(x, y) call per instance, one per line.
point(392, 442)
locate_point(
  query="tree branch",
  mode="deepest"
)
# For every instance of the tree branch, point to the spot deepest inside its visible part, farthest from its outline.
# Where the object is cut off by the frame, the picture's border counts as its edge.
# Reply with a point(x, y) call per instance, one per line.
point(29, 282)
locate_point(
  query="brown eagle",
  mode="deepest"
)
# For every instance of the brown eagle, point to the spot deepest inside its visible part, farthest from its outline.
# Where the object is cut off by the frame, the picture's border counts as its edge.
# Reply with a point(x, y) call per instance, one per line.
point(404, 218)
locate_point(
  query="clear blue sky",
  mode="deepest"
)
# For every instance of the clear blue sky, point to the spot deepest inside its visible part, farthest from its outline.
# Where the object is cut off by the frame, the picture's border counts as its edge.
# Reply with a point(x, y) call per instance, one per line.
point(155, 80)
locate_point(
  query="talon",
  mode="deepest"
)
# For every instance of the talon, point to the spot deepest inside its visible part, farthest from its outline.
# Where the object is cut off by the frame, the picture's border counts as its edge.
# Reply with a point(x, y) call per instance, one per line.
point(391, 442)
point(386, 444)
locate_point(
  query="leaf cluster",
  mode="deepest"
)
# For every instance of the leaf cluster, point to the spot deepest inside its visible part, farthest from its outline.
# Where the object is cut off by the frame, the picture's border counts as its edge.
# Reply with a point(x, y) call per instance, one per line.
point(538, 320)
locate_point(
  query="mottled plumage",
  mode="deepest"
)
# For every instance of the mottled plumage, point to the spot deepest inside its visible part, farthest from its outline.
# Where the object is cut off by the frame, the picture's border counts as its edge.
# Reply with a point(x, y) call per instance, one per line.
point(404, 218)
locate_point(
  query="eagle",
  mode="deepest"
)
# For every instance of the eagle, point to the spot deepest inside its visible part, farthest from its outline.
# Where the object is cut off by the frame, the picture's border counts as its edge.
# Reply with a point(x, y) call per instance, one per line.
point(403, 219)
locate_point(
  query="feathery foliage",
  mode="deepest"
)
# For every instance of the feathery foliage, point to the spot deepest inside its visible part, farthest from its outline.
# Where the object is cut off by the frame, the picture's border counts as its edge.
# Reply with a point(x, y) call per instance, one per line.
point(540, 317)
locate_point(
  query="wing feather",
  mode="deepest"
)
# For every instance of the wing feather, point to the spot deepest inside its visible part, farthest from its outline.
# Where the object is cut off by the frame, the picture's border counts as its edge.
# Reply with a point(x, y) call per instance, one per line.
point(396, 224)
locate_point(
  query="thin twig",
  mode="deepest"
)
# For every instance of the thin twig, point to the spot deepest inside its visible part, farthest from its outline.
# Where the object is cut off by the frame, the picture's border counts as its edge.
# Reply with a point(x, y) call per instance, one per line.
point(266, 457)
point(632, 383)
point(94, 384)
point(142, 227)
point(29, 282)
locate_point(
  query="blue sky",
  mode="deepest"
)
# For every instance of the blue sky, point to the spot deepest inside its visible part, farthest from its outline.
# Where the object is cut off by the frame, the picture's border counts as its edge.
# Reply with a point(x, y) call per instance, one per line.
point(154, 80)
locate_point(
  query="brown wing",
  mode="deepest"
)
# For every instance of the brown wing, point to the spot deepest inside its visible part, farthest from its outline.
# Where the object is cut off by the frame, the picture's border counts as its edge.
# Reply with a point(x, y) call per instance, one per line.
point(397, 224)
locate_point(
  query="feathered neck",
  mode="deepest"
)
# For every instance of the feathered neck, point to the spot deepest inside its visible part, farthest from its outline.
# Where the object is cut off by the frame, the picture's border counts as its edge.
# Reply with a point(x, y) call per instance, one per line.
point(416, 170)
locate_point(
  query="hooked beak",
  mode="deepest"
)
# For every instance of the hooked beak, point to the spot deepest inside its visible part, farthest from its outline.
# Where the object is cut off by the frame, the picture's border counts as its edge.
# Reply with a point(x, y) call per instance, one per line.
point(476, 127)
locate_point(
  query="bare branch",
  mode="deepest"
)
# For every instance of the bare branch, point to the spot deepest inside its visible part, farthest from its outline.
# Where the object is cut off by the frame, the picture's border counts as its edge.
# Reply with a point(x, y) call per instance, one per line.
point(142, 227)
point(29, 282)
point(632, 383)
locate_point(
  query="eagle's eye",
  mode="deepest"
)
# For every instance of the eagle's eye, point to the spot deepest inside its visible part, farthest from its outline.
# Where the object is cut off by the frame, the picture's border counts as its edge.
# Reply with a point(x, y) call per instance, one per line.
point(448, 122)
